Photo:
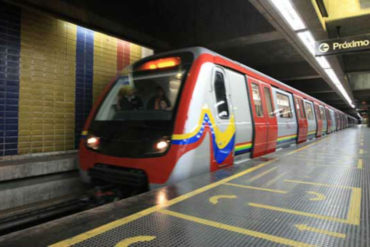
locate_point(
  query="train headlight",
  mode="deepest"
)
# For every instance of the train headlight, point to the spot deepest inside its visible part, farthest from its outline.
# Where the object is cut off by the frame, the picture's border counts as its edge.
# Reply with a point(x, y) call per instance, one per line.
point(93, 142)
point(161, 145)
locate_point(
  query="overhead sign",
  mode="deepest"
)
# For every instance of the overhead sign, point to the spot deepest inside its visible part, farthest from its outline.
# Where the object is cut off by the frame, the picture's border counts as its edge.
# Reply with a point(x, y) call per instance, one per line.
point(342, 45)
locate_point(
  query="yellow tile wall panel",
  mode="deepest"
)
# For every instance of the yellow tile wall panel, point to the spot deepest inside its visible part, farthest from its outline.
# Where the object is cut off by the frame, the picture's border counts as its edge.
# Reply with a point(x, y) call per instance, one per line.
point(105, 62)
point(135, 52)
point(47, 84)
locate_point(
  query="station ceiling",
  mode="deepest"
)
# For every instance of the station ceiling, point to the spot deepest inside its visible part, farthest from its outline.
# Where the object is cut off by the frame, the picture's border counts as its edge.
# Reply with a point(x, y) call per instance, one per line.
point(249, 31)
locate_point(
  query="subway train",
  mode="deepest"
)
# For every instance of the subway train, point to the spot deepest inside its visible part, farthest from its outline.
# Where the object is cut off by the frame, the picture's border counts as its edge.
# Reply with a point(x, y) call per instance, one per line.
point(178, 114)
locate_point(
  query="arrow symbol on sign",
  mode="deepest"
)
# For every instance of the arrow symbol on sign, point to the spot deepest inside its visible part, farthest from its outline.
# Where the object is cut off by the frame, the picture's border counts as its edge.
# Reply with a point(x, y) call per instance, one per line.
point(303, 227)
point(318, 196)
point(214, 199)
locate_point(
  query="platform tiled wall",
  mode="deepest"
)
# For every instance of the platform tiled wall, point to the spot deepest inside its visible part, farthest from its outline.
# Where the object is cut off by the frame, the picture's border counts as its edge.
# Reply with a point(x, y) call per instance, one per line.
point(51, 71)
point(9, 79)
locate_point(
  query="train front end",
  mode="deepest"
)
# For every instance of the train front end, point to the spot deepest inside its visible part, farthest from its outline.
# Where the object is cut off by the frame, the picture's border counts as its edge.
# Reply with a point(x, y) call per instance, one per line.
point(126, 140)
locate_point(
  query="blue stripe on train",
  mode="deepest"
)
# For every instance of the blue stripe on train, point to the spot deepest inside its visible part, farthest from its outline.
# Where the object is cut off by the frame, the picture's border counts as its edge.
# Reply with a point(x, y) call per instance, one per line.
point(286, 141)
point(243, 151)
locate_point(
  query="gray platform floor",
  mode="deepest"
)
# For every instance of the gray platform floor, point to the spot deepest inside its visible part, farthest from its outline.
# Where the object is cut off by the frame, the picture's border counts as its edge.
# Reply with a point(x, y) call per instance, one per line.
point(315, 194)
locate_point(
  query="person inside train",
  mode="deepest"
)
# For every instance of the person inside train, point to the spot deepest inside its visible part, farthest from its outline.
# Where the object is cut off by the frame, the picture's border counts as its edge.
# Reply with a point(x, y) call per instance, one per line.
point(128, 100)
point(159, 101)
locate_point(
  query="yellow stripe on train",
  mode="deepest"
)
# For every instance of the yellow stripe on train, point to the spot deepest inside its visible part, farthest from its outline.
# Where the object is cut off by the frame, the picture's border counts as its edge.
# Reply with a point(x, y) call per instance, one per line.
point(222, 137)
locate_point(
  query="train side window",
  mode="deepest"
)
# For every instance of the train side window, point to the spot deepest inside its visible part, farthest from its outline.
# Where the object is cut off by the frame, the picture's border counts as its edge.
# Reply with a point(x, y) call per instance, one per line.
point(221, 99)
point(322, 113)
point(257, 100)
point(270, 107)
point(318, 112)
point(298, 108)
point(284, 107)
point(309, 112)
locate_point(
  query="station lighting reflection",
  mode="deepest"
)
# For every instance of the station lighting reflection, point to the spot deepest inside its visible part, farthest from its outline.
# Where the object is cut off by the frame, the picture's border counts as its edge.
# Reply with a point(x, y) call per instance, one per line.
point(161, 198)
point(291, 16)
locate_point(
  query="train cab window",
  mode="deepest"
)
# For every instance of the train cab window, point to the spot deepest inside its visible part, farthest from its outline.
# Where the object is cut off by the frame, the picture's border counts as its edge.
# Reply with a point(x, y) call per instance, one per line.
point(309, 111)
point(145, 96)
point(284, 107)
point(257, 100)
point(270, 107)
point(221, 98)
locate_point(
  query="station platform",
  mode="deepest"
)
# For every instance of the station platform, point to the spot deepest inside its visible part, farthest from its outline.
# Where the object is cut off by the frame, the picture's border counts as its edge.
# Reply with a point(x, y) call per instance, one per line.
point(314, 194)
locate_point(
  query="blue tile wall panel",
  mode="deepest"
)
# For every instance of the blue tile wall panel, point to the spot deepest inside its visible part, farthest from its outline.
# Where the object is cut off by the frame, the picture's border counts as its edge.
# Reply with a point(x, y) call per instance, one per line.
point(10, 19)
point(84, 78)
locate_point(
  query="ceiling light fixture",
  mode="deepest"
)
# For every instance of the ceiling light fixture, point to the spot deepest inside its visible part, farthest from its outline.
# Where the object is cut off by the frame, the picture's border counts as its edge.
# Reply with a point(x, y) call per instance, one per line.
point(291, 16)
point(289, 13)
point(308, 40)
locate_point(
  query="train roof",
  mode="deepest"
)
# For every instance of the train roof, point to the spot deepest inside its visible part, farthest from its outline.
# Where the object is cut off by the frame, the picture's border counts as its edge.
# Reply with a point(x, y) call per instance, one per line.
point(197, 51)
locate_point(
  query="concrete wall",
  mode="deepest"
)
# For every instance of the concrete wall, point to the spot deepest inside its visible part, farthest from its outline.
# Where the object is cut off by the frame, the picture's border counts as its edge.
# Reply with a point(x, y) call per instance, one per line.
point(31, 179)
point(51, 71)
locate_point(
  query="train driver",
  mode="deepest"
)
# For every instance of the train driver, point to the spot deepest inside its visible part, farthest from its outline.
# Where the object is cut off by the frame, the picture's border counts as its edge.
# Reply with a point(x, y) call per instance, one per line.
point(128, 100)
point(159, 101)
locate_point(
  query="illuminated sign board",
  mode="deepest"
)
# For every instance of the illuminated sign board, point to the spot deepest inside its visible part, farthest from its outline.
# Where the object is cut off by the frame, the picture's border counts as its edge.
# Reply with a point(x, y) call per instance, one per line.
point(342, 45)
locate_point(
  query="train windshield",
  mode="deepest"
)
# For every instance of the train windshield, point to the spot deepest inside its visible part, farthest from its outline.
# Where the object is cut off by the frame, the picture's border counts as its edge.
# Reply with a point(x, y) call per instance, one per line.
point(140, 108)
point(143, 96)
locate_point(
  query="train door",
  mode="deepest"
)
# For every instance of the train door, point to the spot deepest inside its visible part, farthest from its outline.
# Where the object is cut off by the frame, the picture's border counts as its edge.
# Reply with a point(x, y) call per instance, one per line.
point(311, 120)
point(337, 120)
point(286, 117)
point(333, 120)
point(328, 120)
point(242, 116)
point(263, 118)
point(318, 120)
point(271, 118)
point(323, 119)
point(223, 144)
point(301, 118)
point(343, 123)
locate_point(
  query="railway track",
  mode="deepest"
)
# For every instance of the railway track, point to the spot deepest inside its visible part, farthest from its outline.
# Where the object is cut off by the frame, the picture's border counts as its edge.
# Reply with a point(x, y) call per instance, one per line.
point(22, 218)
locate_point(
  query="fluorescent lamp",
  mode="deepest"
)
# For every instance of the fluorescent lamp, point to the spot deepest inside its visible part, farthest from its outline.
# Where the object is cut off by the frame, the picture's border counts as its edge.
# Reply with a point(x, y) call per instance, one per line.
point(287, 11)
point(307, 40)
point(323, 62)
point(291, 16)
point(334, 78)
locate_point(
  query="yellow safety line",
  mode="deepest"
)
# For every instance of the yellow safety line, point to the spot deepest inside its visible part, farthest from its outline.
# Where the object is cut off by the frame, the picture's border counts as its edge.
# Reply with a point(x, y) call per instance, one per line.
point(318, 196)
point(347, 167)
point(214, 199)
point(257, 188)
point(261, 174)
point(303, 227)
point(128, 241)
point(318, 184)
point(354, 211)
point(275, 179)
point(236, 229)
point(360, 164)
point(307, 146)
point(104, 228)
point(296, 212)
